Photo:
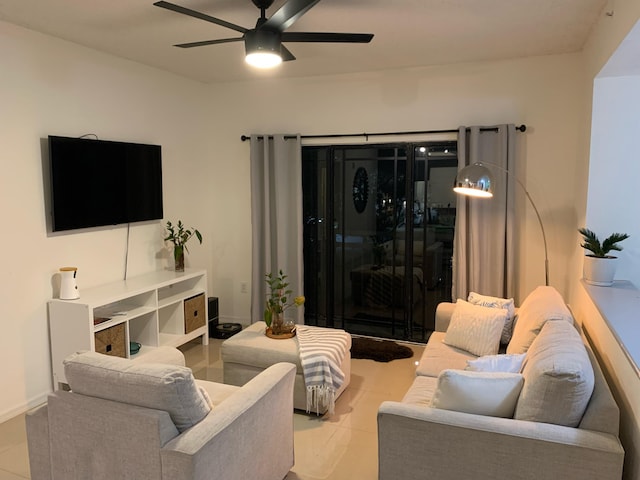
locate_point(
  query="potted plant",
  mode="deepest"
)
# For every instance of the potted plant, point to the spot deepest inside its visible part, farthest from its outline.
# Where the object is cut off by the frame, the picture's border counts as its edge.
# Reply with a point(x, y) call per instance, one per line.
point(599, 266)
point(276, 304)
point(179, 236)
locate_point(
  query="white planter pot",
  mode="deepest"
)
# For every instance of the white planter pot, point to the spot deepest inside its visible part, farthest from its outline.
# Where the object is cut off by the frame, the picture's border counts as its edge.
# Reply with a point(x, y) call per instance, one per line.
point(599, 271)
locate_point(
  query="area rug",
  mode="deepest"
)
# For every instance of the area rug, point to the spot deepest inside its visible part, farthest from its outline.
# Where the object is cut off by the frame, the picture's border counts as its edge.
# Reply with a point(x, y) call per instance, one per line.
point(378, 350)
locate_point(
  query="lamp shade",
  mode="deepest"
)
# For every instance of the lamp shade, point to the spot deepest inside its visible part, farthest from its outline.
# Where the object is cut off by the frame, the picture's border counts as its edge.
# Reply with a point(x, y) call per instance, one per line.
point(474, 180)
point(262, 48)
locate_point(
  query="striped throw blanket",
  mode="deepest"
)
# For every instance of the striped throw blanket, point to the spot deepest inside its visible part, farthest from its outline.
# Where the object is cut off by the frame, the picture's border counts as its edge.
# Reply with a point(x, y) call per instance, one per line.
point(321, 353)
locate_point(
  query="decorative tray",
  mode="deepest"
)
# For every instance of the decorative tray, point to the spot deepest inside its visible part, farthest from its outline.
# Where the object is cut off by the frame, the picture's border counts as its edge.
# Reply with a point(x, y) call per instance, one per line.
point(280, 336)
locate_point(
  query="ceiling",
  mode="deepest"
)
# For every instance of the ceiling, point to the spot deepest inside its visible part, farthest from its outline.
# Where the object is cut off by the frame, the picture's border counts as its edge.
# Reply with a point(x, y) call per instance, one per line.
point(408, 33)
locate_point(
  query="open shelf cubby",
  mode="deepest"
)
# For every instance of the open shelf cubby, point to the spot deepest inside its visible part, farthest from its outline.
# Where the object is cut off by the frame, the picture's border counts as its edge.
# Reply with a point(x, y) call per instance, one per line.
point(154, 309)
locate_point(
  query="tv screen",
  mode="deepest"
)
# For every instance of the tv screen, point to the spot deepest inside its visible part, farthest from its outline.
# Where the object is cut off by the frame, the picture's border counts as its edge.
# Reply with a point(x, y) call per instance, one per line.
point(97, 182)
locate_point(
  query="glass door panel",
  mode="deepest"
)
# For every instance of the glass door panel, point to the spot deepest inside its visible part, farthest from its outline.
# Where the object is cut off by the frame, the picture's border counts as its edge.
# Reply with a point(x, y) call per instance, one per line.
point(373, 265)
point(317, 226)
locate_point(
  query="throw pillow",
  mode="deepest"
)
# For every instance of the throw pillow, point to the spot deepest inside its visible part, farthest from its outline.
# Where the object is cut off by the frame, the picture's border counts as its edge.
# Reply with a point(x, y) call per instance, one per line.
point(475, 329)
point(497, 302)
point(152, 385)
point(558, 377)
point(540, 306)
point(481, 393)
point(506, 363)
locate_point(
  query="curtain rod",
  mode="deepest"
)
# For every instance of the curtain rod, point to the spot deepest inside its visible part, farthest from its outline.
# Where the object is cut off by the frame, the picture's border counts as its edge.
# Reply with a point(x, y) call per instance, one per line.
point(244, 138)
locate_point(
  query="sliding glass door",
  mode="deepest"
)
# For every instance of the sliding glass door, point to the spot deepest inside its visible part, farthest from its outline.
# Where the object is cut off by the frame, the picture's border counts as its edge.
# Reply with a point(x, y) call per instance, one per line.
point(374, 261)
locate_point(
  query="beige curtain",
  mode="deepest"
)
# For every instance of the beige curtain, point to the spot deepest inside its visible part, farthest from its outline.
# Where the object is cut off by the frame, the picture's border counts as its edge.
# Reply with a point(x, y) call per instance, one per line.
point(276, 217)
point(483, 253)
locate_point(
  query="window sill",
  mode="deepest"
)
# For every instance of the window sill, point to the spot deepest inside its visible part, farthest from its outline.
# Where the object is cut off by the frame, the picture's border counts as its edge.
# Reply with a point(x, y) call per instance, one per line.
point(619, 305)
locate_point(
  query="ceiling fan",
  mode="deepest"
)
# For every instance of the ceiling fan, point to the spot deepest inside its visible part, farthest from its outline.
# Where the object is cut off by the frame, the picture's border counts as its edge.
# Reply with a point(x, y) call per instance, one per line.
point(263, 43)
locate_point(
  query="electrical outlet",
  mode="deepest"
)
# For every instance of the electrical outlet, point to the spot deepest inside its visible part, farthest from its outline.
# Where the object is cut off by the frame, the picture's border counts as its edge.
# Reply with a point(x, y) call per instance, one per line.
point(244, 287)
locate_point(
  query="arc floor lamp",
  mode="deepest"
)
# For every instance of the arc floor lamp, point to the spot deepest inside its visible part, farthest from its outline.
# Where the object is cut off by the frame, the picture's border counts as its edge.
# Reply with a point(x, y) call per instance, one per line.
point(475, 180)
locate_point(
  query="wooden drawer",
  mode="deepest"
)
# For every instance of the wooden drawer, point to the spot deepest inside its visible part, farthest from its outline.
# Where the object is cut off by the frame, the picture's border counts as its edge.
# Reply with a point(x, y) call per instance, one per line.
point(195, 314)
point(112, 341)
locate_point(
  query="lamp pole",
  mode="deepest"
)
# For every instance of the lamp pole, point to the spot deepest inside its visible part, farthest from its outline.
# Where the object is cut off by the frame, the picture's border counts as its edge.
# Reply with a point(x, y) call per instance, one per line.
point(475, 180)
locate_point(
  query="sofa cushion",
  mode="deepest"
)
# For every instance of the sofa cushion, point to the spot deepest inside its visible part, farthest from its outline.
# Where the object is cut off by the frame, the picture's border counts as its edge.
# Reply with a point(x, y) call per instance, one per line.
point(421, 391)
point(540, 306)
point(475, 328)
point(497, 302)
point(558, 377)
point(437, 356)
point(506, 363)
point(481, 393)
point(170, 388)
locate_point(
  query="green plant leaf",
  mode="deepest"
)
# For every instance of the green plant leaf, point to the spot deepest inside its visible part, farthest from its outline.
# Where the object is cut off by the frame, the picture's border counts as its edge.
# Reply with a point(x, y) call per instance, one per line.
point(592, 243)
point(611, 242)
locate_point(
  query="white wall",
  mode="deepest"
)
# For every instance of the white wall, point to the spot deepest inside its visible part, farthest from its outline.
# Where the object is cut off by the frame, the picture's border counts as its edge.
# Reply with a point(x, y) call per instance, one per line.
point(612, 205)
point(546, 93)
point(51, 87)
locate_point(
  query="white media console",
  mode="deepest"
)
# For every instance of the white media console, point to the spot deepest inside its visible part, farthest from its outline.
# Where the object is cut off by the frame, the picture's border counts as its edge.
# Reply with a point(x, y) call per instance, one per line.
point(156, 309)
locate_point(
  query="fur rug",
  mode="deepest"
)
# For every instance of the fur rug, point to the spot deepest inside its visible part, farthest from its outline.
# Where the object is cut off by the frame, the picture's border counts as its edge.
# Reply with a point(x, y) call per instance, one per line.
point(378, 350)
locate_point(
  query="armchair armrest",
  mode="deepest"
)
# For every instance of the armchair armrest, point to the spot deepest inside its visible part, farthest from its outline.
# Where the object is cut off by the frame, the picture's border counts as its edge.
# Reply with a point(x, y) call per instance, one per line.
point(412, 438)
point(37, 423)
point(236, 439)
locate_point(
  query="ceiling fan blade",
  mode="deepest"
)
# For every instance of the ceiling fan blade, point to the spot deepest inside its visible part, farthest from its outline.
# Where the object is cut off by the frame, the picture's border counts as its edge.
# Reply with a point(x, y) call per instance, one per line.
point(201, 16)
point(321, 37)
point(286, 55)
point(208, 42)
point(288, 14)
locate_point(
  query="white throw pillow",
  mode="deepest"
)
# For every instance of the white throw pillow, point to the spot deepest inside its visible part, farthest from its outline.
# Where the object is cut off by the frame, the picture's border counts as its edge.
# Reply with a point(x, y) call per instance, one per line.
point(475, 329)
point(481, 393)
point(497, 302)
point(540, 306)
point(506, 363)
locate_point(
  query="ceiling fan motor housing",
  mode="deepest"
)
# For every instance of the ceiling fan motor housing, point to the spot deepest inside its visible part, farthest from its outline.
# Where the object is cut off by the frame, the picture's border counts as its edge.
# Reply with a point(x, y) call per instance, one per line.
point(262, 4)
point(262, 41)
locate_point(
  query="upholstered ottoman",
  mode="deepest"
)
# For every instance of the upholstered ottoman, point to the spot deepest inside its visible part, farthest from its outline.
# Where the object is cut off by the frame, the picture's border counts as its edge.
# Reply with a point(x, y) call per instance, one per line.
point(250, 352)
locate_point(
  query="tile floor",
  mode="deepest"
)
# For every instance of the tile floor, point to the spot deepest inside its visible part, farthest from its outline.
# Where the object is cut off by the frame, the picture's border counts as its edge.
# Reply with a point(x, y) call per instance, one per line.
point(339, 447)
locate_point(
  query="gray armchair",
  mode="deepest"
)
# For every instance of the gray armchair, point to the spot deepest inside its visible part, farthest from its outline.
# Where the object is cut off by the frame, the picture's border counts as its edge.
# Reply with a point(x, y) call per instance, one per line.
point(130, 420)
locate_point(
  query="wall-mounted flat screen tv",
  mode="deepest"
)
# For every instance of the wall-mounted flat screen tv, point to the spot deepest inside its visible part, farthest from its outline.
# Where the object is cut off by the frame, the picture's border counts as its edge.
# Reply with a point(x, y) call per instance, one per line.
point(97, 182)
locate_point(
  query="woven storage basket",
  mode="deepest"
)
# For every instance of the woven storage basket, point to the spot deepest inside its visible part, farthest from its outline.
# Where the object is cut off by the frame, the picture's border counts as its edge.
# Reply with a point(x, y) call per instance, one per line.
point(195, 315)
point(112, 341)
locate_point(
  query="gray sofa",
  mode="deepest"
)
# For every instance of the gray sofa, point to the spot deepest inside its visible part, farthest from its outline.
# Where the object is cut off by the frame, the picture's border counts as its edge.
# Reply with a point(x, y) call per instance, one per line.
point(419, 441)
point(129, 420)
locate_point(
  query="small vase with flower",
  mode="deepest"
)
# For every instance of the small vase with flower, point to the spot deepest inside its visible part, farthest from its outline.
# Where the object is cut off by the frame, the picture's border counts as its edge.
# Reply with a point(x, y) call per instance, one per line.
point(277, 303)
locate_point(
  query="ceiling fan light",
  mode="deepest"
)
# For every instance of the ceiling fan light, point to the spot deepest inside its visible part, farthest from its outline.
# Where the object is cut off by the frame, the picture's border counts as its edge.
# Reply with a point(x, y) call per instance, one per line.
point(262, 48)
point(263, 59)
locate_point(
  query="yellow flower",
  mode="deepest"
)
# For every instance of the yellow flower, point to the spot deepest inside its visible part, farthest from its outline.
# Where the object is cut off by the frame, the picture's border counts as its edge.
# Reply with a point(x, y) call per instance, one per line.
point(299, 300)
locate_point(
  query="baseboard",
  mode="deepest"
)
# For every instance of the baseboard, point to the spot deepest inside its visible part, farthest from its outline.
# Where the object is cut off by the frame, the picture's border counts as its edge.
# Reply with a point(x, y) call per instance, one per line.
point(20, 409)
